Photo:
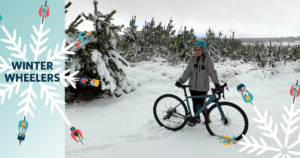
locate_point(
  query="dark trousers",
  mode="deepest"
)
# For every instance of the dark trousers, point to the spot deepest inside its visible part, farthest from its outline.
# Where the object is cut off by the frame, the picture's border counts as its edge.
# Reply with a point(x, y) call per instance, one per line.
point(199, 101)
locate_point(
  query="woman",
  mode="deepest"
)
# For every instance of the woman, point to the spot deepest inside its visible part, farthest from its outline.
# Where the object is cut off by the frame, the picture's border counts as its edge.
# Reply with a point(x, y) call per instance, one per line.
point(199, 68)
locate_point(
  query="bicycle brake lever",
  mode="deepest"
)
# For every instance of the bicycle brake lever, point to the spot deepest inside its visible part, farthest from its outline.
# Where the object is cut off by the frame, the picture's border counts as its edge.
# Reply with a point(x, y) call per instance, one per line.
point(223, 95)
point(227, 87)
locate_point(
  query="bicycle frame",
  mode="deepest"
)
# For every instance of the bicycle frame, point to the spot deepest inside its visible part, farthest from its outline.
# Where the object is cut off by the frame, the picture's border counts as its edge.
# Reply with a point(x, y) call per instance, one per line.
point(211, 98)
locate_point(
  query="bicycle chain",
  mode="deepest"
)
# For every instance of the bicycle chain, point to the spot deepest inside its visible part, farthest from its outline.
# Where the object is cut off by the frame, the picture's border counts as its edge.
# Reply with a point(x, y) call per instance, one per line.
point(191, 121)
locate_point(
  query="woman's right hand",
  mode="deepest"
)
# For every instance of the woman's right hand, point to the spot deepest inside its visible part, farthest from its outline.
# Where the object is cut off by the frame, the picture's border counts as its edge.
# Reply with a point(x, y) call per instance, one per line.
point(178, 84)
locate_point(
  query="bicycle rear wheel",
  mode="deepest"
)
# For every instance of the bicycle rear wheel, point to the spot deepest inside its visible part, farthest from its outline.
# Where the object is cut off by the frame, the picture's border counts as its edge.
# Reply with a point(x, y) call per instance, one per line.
point(163, 105)
point(237, 121)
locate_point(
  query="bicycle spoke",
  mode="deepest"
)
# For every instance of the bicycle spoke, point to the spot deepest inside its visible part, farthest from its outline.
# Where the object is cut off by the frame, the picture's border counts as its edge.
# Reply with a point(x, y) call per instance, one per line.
point(177, 115)
point(236, 126)
point(236, 133)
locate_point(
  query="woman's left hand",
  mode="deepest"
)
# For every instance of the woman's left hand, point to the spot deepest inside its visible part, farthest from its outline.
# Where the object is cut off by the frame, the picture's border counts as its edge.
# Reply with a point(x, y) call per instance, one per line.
point(217, 85)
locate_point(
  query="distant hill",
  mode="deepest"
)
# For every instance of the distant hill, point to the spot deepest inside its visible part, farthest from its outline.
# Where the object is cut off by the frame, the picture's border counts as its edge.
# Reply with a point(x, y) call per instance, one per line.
point(294, 40)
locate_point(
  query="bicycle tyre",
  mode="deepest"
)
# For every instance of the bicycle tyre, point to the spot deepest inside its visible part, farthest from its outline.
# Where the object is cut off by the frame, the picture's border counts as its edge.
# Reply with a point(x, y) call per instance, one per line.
point(163, 99)
point(217, 118)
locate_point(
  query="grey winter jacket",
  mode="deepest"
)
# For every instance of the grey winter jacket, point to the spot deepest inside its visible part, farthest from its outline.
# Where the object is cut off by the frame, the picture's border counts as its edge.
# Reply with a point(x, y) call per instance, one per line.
point(198, 77)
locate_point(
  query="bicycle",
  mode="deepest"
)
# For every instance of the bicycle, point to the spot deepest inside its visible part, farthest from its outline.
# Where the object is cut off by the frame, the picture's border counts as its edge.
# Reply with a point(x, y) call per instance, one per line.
point(225, 117)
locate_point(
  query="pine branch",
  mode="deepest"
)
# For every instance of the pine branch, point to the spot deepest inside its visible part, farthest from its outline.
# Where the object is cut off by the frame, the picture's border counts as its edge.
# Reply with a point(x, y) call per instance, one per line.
point(79, 22)
point(74, 25)
point(88, 17)
point(95, 7)
point(68, 5)
point(110, 15)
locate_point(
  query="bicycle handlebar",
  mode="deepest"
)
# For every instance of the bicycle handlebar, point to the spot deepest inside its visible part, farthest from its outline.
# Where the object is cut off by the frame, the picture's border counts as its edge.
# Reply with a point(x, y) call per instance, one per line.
point(219, 91)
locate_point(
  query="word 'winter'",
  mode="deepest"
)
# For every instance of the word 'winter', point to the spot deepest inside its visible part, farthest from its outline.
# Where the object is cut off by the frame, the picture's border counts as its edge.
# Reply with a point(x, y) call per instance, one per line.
point(32, 77)
point(31, 65)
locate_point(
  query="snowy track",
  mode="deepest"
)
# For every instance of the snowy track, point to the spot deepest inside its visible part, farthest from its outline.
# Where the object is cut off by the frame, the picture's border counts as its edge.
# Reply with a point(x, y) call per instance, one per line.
point(125, 126)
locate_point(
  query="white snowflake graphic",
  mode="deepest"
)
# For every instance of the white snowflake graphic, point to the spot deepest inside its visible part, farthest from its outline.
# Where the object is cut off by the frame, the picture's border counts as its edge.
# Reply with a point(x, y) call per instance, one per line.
point(46, 90)
point(283, 150)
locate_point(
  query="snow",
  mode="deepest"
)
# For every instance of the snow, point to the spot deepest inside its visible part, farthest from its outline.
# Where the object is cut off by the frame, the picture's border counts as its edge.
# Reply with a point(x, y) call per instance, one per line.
point(125, 126)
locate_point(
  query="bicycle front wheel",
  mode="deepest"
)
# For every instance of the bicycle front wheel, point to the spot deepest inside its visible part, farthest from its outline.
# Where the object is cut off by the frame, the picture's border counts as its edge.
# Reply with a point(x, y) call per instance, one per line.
point(236, 117)
point(166, 115)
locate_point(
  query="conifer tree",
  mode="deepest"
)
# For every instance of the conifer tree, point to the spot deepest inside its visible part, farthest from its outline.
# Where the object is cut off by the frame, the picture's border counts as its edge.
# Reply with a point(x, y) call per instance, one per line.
point(182, 46)
point(131, 42)
point(99, 59)
point(104, 60)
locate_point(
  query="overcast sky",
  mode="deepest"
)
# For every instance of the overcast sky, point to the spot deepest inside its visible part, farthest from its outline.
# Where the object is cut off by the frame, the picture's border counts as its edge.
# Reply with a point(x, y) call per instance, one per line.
point(248, 18)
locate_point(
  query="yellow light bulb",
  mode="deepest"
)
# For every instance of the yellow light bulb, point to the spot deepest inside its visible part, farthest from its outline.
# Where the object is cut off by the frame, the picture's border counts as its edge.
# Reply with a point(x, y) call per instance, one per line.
point(248, 98)
point(23, 124)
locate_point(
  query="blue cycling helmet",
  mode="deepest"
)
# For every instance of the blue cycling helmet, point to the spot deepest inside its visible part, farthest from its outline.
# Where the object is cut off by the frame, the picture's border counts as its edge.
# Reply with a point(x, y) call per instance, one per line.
point(72, 128)
point(239, 87)
point(200, 43)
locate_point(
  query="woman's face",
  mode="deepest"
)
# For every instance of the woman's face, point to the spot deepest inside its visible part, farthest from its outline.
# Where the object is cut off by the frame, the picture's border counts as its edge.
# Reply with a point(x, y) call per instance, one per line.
point(198, 51)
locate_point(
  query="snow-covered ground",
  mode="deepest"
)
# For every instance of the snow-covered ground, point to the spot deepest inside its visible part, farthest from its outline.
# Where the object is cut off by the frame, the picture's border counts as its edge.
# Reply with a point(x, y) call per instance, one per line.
point(125, 126)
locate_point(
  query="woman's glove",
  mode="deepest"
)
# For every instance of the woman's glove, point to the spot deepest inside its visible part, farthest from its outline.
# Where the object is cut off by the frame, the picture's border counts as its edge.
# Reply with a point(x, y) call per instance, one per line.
point(178, 84)
point(217, 85)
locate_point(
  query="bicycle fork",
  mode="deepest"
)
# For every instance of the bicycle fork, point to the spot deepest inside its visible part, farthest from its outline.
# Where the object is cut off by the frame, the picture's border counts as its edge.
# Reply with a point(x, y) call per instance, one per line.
point(222, 113)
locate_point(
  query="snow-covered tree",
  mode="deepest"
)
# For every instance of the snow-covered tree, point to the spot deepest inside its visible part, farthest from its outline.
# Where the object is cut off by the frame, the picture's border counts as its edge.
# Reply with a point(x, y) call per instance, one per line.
point(152, 41)
point(182, 46)
point(131, 41)
point(99, 59)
